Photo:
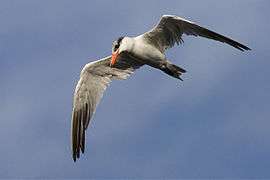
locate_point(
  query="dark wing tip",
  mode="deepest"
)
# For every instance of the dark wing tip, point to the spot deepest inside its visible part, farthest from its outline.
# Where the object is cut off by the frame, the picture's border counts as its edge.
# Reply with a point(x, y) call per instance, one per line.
point(246, 48)
point(232, 42)
point(74, 134)
point(239, 46)
point(195, 29)
point(78, 131)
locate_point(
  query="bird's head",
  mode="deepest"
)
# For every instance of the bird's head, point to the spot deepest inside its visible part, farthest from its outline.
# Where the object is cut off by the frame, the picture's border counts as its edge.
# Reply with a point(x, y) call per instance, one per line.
point(118, 46)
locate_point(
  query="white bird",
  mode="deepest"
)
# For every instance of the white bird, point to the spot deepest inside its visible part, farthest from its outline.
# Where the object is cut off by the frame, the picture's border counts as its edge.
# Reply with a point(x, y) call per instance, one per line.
point(128, 54)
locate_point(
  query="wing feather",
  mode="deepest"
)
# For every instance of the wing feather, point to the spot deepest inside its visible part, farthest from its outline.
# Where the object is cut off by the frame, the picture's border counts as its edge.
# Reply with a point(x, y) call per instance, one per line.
point(94, 79)
point(170, 29)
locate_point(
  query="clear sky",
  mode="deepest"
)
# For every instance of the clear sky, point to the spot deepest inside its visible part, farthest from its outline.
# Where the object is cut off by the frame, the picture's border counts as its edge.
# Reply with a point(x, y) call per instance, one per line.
point(214, 124)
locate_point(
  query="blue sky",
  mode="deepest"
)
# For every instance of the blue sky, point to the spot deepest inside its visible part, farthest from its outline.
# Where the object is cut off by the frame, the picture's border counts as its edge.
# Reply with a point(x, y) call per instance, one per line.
point(215, 124)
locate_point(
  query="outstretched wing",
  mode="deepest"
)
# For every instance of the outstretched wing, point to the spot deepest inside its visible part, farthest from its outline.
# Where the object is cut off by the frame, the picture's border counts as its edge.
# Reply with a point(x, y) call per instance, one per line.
point(170, 29)
point(94, 79)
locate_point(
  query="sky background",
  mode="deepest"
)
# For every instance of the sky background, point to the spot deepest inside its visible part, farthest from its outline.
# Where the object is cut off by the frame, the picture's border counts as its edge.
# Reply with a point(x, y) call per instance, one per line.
point(215, 124)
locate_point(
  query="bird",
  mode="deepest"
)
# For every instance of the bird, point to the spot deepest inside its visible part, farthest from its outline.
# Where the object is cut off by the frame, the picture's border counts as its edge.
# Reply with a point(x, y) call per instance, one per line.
point(129, 54)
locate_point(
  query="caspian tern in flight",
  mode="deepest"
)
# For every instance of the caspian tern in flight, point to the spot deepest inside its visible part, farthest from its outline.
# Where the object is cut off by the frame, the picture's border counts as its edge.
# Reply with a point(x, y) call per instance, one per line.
point(129, 54)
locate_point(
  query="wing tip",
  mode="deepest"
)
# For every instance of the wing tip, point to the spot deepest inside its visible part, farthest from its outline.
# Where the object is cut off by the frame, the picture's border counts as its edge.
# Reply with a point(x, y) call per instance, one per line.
point(79, 125)
point(242, 47)
point(74, 158)
point(247, 48)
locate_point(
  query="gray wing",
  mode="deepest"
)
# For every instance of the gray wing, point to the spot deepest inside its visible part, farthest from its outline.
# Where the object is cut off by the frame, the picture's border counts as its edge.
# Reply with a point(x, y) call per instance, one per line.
point(94, 79)
point(170, 29)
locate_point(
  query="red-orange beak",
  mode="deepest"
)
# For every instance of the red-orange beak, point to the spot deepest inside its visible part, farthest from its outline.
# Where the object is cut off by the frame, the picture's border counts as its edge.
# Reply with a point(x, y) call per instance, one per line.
point(114, 57)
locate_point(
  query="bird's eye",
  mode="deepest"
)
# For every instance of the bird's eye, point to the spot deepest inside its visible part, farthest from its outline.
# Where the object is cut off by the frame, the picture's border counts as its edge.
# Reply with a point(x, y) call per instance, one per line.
point(116, 47)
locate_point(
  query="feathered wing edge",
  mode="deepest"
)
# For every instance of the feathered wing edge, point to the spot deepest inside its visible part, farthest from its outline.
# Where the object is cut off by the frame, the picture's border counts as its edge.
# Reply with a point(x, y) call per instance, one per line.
point(94, 79)
point(170, 29)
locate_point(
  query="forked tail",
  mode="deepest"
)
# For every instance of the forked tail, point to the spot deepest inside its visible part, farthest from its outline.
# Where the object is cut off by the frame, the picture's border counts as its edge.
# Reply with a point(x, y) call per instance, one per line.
point(173, 70)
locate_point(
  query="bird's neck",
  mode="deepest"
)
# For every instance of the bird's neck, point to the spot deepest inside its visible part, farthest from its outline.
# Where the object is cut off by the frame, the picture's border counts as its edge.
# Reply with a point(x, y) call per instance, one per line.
point(128, 44)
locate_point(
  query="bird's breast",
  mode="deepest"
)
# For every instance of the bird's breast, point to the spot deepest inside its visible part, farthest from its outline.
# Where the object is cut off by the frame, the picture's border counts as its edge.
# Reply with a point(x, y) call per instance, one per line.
point(146, 51)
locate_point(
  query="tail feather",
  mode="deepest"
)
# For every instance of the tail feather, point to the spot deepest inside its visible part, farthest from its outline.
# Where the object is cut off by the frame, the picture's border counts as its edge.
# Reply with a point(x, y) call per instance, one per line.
point(173, 70)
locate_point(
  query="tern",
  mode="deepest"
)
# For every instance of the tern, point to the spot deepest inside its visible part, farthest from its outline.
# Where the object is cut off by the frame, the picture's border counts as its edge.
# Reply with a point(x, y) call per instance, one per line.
point(129, 54)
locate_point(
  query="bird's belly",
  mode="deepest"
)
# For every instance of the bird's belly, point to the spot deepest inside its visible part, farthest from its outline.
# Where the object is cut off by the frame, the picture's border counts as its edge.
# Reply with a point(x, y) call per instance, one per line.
point(149, 56)
point(148, 53)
